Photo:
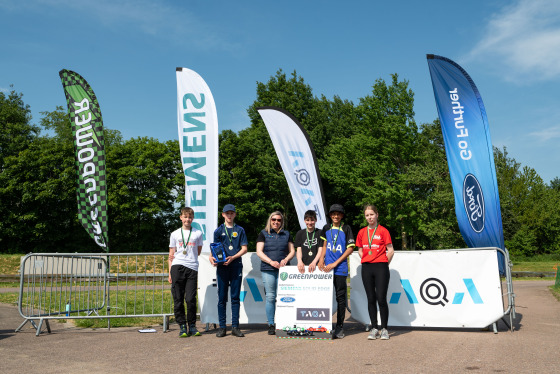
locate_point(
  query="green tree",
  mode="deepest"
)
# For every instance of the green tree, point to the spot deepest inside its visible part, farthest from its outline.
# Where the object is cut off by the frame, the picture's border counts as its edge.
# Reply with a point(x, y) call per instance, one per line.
point(38, 185)
point(555, 184)
point(435, 222)
point(15, 128)
point(370, 165)
point(144, 181)
point(530, 210)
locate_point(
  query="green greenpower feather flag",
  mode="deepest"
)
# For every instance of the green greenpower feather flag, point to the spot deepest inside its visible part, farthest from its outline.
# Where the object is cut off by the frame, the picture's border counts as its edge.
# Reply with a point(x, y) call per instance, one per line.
point(87, 128)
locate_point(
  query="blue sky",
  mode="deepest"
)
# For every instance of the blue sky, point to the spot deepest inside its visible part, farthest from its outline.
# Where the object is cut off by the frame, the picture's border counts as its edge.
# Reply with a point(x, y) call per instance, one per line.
point(128, 51)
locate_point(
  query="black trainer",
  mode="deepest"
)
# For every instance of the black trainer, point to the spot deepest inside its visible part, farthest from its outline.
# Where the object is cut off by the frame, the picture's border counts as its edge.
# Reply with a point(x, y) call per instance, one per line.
point(221, 332)
point(271, 330)
point(183, 331)
point(193, 331)
point(338, 333)
point(236, 332)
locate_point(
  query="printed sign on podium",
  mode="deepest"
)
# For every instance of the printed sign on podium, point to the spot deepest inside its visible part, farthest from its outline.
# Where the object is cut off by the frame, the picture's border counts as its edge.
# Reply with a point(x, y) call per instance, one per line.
point(304, 304)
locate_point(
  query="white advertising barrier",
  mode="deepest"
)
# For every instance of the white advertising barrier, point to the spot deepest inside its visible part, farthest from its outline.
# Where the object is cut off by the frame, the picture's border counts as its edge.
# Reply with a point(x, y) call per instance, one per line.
point(252, 297)
point(443, 288)
point(305, 299)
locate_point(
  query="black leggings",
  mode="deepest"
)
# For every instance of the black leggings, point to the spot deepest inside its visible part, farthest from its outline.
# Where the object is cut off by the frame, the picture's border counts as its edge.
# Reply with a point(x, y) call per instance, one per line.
point(376, 282)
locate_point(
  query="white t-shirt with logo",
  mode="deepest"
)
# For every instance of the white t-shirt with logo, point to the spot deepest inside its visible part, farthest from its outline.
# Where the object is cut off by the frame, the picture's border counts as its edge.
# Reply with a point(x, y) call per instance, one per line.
point(186, 255)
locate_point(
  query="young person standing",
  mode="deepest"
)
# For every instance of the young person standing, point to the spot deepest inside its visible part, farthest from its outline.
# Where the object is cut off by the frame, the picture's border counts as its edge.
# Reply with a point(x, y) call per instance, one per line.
point(185, 245)
point(376, 251)
point(229, 274)
point(338, 245)
point(308, 243)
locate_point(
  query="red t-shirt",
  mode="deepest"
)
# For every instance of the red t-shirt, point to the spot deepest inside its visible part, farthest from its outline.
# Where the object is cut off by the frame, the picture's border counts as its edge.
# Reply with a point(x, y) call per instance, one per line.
point(379, 243)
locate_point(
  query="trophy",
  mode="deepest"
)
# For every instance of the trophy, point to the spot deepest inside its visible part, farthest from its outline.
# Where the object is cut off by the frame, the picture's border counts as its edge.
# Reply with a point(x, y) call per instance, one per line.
point(218, 252)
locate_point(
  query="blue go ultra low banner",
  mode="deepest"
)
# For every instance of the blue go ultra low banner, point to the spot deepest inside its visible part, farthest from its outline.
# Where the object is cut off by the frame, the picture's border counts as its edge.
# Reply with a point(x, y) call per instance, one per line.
point(469, 155)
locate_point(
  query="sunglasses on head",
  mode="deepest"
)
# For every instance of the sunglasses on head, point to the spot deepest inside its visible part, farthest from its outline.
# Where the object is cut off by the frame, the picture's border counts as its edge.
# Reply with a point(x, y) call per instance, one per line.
point(276, 219)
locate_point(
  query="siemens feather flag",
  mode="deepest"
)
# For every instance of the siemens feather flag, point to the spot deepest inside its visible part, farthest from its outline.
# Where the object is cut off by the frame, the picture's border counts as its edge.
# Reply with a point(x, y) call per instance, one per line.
point(198, 141)
point(87, 128)
point(469, 154)
point(298, 161)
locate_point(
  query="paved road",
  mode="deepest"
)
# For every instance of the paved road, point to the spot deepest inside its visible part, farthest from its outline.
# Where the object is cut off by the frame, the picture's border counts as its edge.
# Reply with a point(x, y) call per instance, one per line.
point(533, 347)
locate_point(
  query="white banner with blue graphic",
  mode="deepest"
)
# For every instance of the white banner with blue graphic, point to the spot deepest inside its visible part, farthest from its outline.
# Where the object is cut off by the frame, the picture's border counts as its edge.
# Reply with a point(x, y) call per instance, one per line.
point(470, 156)
point(444, 288)
point(198, 141)
point(297, 158)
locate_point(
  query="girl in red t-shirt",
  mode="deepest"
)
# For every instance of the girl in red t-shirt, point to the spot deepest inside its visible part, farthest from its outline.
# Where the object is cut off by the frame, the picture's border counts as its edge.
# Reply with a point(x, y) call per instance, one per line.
point(376, 250)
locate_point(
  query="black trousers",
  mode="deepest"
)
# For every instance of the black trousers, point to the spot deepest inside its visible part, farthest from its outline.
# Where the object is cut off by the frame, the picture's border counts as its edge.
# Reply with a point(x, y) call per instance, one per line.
point(183, 288)
point(341, 292)
point(375, 277)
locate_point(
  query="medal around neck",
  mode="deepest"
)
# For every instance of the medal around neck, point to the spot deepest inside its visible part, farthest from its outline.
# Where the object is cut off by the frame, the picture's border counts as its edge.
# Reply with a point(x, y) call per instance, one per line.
point(218, 252)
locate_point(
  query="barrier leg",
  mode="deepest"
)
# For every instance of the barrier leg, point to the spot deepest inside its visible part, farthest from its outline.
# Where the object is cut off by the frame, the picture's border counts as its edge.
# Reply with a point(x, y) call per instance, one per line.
point(39, 327)
point(495, 327)
point(22, 324)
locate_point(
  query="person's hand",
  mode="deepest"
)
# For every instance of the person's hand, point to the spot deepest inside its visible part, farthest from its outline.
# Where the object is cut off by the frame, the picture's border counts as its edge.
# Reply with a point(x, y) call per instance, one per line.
point(311, 267)
point(328, 267)
point(169, 279)
point(301, 267)
point(283, 262)
point(229, 259)
point(212, 261)
point(275, 264)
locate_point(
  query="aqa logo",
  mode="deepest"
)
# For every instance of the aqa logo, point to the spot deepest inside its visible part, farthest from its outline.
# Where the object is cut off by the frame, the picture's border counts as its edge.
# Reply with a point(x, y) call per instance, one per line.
point(287, 299)
point(283, 276)
point(473, 201)
point(314, 314)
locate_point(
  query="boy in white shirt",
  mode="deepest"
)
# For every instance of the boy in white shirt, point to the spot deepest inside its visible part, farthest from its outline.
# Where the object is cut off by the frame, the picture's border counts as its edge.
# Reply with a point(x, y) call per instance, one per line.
point(185, 245)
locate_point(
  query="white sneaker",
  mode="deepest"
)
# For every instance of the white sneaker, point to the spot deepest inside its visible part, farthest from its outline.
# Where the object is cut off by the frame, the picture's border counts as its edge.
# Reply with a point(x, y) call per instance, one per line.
point(384, 334)
point(373, 334)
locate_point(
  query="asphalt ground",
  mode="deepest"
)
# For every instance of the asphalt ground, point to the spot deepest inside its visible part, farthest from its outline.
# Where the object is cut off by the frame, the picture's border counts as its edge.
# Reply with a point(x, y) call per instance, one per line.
point(534, 347)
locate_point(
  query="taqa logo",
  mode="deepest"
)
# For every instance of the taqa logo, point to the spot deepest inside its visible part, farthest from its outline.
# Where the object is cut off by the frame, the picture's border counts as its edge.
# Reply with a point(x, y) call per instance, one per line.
point(313, 314)
point(284, 276)
point(287, 299)
point(473, 200)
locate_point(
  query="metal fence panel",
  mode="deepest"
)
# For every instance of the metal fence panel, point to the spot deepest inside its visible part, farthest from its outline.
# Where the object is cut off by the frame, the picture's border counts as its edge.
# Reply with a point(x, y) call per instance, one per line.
point(78, 286)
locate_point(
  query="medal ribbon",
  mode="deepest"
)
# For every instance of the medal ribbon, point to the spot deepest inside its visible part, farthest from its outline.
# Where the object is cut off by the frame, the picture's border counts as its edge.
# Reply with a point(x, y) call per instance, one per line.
point(189, 238)
point(230, 239)
point(335, 238)
point(370, 240)
point(309, 243)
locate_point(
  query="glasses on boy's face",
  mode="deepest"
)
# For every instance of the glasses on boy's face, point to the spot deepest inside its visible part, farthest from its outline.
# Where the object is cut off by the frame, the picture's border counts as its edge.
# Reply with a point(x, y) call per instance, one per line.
point(276, 219)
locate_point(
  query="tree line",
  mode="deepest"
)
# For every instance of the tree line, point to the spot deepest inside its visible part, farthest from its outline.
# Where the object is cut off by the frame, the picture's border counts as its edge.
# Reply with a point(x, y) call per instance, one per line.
point(369, 152)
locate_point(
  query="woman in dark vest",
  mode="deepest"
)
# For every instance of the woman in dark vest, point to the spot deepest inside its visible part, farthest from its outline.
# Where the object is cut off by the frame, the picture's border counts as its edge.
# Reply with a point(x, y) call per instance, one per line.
point(275, 248)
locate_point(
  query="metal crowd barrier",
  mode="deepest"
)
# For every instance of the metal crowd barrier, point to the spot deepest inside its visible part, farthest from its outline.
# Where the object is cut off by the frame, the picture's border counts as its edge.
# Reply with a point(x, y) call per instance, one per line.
point(509, 311)
point(94, 286)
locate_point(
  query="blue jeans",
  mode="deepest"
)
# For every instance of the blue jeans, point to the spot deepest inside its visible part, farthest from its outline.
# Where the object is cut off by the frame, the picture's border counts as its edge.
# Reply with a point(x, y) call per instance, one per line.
point(229, 277)
point(270, 281)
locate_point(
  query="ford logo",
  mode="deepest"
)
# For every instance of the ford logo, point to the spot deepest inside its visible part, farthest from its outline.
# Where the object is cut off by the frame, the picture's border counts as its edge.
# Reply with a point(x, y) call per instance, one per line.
point(287, 299)
point(473, 200)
